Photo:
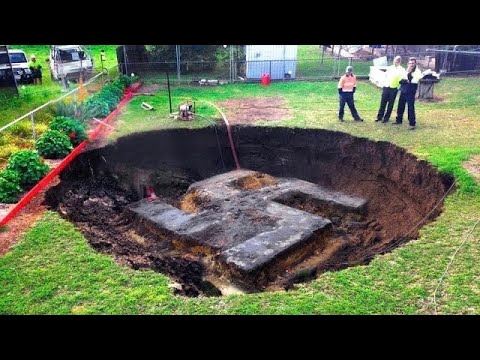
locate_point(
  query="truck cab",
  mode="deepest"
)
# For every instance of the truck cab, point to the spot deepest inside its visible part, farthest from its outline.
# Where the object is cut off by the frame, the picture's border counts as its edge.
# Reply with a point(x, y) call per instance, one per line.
point(69, 62)
point(19, 61)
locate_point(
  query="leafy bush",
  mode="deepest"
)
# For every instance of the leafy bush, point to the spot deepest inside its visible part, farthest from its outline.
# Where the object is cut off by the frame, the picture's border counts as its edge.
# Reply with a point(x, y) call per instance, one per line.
point(124, 80)
point(97, 106)
point(110, 98)
point(74, 110)
point(53, 145)
point(104, 101)
point(115, 89)
point(28, 164)
point(9, 186)
point(74, 129)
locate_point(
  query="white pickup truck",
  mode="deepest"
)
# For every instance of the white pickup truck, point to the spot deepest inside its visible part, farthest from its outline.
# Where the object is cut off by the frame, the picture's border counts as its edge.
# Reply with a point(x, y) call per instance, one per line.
point(69, 61)
point(19, 65)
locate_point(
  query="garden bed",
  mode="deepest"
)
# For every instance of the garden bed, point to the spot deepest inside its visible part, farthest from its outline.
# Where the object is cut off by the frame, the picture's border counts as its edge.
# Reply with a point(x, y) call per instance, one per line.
point(8, 211)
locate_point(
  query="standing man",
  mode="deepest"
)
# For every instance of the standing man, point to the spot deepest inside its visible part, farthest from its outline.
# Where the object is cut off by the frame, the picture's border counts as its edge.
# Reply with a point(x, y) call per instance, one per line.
point(390, 88)
point(408, 89)
point(346, 88)
point(36, 69)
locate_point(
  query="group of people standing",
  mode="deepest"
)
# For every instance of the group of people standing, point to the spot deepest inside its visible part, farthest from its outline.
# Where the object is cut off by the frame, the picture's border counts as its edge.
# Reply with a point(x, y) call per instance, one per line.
point(395, 77)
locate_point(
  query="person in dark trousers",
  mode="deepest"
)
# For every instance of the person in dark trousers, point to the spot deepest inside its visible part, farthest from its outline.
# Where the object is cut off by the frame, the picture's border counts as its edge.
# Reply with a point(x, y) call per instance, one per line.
point(36, 69)
point(393, 75)
point(346, 88)
point(408, 89)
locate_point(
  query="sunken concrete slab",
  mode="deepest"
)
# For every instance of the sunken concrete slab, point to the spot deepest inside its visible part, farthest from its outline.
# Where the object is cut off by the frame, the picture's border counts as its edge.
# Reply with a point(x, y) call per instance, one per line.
point(161, 214)
point(248, 227)
point(295, 228)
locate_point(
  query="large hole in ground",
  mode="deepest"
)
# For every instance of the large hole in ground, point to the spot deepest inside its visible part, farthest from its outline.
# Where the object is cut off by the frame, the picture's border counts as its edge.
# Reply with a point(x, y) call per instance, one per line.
point(304, 202)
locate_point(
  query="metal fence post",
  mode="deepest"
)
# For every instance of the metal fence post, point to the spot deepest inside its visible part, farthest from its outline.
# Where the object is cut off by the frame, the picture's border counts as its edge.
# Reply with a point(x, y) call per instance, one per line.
point(177, 48)
point(33, 127)
point(75, 102)
point(125, 59)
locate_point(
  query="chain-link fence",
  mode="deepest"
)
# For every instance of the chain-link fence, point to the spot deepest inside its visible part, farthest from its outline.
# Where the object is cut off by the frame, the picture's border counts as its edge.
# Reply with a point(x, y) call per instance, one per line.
point(236, 63)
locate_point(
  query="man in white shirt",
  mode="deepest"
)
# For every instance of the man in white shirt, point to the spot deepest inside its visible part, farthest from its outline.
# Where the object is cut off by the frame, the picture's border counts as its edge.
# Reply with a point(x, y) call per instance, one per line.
point(393, 76)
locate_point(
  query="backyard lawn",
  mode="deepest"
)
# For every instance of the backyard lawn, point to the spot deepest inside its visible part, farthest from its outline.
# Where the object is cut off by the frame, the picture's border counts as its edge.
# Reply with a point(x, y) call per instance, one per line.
point(53, 269)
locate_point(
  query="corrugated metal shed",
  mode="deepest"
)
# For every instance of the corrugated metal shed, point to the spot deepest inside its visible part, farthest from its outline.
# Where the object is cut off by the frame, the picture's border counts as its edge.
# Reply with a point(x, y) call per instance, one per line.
point(280, 61)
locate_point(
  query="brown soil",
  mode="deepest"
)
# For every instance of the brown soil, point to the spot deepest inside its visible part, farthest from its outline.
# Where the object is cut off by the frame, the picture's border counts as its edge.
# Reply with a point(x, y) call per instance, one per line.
point(148, 90)
point(473, 167)
point(251, 110)
point(256, 181)
point(190, 202)
point(401, 192)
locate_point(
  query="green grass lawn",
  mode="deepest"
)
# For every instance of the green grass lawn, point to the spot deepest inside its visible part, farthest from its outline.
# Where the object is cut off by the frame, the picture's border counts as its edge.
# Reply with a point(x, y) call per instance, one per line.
point(53, 270)
point(314, 63)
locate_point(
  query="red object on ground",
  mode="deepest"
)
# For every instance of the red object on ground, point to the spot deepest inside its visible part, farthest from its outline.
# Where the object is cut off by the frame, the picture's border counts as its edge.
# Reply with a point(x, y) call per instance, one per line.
point(266, 79)
point(128, 94)
point(150, 193)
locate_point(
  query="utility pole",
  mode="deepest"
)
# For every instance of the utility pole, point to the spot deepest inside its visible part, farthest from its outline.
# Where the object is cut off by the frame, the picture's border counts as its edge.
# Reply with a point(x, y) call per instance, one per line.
point(177, 50)
point(11, 69)
point(169, 94)
point(125, 60)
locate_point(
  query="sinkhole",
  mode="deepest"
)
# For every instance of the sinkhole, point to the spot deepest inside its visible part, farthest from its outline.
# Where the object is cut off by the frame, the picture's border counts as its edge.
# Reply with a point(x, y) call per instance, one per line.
point(305, 201)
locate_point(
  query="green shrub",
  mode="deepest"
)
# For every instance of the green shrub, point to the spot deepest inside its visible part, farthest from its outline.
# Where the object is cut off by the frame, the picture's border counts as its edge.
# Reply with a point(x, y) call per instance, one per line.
point(11, 176)
point(74, 110)
point(97, 106)
point(53, 144)
point(115, 89)
point(28, 164)
point(111, 94)
point(9, 186)
point(109, 98)
point(124, 80)
point(66, 109)
point(74, 129)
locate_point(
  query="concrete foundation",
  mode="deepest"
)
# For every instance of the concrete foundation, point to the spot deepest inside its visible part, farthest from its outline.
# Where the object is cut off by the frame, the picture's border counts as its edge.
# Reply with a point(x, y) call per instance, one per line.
point(247, 229)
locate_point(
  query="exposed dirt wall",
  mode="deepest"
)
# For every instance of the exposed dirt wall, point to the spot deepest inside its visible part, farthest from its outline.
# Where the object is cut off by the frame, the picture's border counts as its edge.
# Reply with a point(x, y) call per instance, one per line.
point(401, 191)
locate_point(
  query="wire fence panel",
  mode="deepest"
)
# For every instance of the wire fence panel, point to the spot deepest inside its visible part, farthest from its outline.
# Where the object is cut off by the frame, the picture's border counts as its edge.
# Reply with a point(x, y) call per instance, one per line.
point(189, 63)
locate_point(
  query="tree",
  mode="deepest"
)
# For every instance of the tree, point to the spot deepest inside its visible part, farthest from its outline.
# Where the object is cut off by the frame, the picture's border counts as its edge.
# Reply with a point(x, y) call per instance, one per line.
point(193, 57)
